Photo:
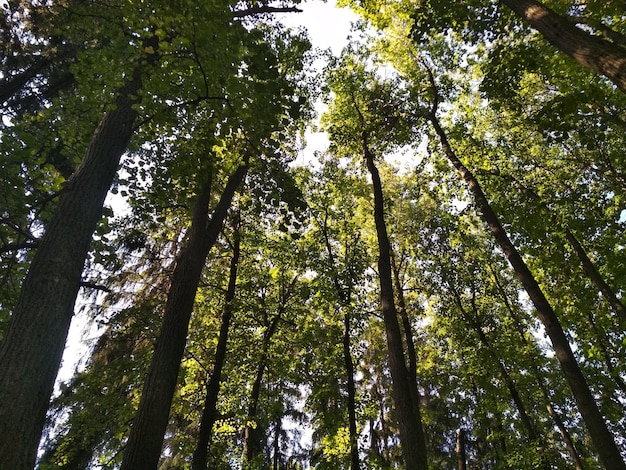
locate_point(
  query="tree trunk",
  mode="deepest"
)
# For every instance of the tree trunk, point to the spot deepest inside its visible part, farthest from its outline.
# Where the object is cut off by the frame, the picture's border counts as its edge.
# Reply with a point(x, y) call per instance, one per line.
point(461, 459)
point(409, 419)
point(408, 336)
point(251, 445)
point(600, 55)
point(276, 453)
point(345, 298)
point(209, 414)
point(33, 344)
point(567, 439)
point(602, 438)
point(351, 389)
point(143, 449)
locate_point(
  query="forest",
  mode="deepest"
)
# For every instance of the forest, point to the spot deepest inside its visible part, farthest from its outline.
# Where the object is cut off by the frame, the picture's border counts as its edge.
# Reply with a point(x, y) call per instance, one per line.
point(439, 287)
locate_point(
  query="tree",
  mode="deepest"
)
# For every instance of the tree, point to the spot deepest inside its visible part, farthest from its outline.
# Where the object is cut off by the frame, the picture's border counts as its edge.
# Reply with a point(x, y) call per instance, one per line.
point(354, 102)
point(602, 437)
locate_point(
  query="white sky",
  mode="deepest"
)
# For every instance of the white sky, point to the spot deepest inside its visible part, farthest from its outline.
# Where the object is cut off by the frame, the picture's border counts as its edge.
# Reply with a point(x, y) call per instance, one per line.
point(328, 26)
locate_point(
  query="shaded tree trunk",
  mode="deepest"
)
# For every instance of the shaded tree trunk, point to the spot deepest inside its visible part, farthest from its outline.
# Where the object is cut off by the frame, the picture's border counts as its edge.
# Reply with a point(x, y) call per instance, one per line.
point(209, 414)
point(409, 419)
point(558, 421)
point(143, 449)
point(408, 336)
point(276, 453)
point(461, 458)
point(602, 438)
point(252, 446)
point(33, 344)
point(600, 55)
point(345, 297)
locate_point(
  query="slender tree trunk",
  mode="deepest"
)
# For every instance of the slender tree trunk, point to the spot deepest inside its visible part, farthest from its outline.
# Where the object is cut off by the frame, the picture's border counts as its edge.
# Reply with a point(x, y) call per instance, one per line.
point(33, 344)
point(277, 431)
point(461, 459)
point(531, 432)
point(209, 414)
point(143, 449)
point(345, 295)
point(588, 266)
point(558, 421)
point(601, 340)
point(408, 336)
point(351, 389)
point(600, 55)
point(602, 438)
point(251, 445)
point(409, 419)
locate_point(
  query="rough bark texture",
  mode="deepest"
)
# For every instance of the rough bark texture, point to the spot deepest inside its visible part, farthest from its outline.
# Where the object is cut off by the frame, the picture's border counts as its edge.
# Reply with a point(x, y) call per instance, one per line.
point(33, 344)
point(209, 414)
point(409, 420)
point(600, 55)
point(602, 438)
point(143, 449)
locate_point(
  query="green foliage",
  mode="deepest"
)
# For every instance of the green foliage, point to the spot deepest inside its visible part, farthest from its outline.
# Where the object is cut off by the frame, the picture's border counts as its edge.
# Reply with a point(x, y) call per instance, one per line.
point(544, 137)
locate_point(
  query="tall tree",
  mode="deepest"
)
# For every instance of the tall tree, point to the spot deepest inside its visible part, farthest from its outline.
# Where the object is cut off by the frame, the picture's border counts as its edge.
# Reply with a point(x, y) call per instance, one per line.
point(143, 449)
point(354, 102)
point(603, 439)
point(213, 386)
point(44, 309)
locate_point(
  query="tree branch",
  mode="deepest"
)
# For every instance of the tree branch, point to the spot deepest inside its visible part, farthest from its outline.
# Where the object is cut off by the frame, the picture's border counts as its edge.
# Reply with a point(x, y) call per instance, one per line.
point(265, 9)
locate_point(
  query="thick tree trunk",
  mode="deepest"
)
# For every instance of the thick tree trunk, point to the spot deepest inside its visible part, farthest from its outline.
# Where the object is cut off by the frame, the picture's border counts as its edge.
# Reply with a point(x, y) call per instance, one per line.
point(209, 414)
point(409, 419)
point(602, 438)
point(33, 344)
point(143, 449)
point(600, 55)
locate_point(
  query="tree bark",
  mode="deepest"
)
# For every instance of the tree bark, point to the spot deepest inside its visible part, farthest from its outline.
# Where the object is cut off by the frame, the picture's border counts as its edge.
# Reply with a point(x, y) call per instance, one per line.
point(600, 55)
point(408, 335)
point(143, 449)
point(251, 446)
point(33, 344)
point(409, 419)
point(461, 459)
point(209, 414)
point(602, 438)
